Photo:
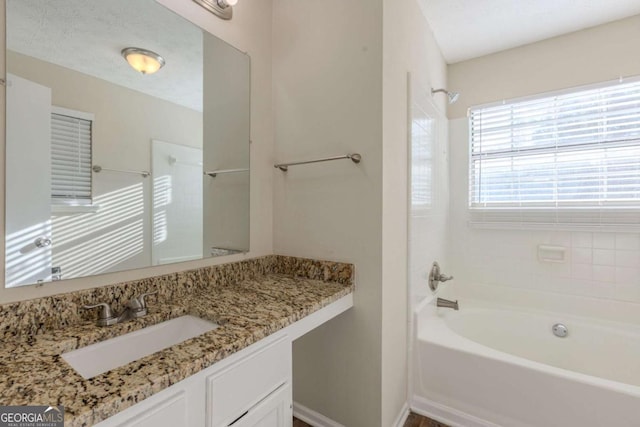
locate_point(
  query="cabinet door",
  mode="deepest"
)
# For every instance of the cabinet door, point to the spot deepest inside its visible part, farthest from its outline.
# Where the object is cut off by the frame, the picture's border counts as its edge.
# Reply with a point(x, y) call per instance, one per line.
point(170, 412)
point(274, 411)
point(241, 386)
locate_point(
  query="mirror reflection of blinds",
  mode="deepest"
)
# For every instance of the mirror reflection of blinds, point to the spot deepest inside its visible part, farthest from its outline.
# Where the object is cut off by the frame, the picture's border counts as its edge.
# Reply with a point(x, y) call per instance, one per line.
point(70, 158)
point(571, 157)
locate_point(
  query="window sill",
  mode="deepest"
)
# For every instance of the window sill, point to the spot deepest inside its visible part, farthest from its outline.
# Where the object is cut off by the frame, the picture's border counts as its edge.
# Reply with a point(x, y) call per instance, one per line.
point(74, 209)
point(623, 218)
point(602, 227)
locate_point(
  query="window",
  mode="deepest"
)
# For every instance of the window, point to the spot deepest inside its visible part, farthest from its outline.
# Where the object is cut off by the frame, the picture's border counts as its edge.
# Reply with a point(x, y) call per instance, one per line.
point(571, 157)
point(71, 156)
point(422, 141)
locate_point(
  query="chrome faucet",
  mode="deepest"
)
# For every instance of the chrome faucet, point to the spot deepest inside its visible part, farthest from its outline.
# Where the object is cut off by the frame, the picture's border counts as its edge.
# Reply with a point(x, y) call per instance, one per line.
point(441, 302)
point(136, 307)
point(435, 276)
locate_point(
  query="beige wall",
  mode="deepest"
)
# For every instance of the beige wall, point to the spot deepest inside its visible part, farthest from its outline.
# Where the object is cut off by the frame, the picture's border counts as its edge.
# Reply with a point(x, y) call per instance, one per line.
point(336, 91)
point(328, 101)
point(227, 103)
point(125, 119)
point(598, 263)
point(409, 46)
point(593, 55)
point(249, 31)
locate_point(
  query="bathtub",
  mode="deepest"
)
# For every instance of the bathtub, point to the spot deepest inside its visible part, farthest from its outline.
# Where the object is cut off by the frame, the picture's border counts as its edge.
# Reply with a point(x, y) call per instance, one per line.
point(493, 365)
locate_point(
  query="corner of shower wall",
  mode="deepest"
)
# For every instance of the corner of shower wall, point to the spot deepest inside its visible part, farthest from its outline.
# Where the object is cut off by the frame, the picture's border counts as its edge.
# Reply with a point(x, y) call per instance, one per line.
point(428, 222)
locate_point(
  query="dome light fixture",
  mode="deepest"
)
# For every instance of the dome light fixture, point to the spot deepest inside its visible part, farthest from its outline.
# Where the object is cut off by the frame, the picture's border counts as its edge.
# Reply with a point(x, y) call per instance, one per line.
point(142, 60)
point(220, 8)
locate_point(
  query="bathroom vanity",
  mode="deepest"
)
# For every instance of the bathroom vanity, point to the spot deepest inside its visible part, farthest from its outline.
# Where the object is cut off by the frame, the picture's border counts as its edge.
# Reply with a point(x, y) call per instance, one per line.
point(136, 171)
point(238, 373)
point(251, 388)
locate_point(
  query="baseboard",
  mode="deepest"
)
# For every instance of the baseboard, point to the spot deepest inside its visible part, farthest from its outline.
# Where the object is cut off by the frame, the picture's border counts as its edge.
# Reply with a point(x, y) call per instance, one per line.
point(312, 417)
point(402, 416)
point(447, 415)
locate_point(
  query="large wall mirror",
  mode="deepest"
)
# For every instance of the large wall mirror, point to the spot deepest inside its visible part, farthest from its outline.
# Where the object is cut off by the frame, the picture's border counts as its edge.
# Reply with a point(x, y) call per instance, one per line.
point(109, 168)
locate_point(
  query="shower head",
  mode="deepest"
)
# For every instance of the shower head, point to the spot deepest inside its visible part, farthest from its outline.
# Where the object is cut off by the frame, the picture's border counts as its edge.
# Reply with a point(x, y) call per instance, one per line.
point(453, 96)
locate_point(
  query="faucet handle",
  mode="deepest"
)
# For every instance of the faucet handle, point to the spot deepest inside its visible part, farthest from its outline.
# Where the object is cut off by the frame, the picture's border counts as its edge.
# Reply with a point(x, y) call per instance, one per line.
point(435, 276)
point(141, 300)
point(106, 311)
point(138, 306)
point(105, 316)
point(135, 305)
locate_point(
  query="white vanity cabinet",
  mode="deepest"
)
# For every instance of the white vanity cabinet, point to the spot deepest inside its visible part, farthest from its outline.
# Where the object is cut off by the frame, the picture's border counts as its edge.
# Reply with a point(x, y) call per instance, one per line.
point(251, 388)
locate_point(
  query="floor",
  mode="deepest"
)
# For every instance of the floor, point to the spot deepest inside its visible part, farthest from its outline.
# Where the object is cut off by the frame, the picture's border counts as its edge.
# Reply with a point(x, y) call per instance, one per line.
point(414, 420)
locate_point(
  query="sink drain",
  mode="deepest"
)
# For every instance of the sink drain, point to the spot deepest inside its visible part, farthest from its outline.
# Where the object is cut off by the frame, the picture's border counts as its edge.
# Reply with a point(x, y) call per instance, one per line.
point(560, 330)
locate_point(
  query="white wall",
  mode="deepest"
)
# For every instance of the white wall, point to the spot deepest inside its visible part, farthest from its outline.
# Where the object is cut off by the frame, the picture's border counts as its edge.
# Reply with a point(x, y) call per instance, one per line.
point(249, 31)
point(602, 265)
point(409, 46)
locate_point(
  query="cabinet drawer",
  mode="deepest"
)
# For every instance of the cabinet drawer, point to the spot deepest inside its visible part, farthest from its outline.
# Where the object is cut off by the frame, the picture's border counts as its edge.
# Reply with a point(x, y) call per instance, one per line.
point(171, 412)
point(274, 411)
point(234, 390)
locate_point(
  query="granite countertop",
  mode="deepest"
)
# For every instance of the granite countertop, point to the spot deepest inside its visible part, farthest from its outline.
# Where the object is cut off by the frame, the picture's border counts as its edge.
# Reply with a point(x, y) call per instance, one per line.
point(33, 372)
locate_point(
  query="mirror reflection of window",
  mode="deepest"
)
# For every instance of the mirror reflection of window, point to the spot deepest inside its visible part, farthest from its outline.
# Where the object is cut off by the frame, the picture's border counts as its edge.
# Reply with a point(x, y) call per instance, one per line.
point(71, 156)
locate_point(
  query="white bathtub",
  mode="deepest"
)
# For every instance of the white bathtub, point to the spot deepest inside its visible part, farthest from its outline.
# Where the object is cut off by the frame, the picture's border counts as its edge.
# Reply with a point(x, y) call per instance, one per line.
point(488, 365)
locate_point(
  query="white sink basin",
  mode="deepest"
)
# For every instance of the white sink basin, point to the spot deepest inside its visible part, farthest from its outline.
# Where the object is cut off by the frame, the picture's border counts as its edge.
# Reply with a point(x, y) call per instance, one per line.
point(101, 357)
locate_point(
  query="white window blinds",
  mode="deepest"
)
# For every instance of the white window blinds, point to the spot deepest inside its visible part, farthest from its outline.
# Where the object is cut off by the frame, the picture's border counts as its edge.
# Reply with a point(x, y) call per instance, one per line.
point(70, 158)
point(572, 157)
point(422, 140)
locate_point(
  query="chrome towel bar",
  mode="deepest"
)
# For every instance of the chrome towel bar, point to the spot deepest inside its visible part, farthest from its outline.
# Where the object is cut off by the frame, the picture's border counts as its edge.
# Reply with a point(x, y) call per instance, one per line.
point(355, 158)
point(213, 174)
point(98, 169)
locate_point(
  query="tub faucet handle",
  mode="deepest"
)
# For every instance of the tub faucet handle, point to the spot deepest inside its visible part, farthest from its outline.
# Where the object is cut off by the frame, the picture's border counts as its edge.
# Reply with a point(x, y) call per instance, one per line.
point(444, 278)
point(435, 277)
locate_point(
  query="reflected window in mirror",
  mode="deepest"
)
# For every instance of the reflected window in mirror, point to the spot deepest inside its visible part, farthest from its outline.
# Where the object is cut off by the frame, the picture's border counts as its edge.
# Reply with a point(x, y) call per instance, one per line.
point(71, 142)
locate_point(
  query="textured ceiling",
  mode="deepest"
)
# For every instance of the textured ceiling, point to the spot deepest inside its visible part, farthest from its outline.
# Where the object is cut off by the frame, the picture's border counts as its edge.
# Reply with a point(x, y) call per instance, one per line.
point(466, 29)
point(88, 35)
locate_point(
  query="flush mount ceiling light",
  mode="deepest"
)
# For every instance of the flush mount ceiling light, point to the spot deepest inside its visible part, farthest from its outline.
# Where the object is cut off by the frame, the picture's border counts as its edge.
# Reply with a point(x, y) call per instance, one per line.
point(453, 96)
point(221, 8)
point(142, 60)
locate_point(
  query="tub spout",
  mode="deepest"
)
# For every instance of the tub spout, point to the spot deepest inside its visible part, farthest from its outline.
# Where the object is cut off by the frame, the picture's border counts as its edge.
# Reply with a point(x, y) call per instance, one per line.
point(441, 302)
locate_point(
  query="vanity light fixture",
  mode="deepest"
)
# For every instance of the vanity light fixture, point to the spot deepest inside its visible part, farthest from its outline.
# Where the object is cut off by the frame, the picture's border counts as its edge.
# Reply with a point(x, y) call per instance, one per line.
point(220, 8)
point(453, 96)
point(142, 60)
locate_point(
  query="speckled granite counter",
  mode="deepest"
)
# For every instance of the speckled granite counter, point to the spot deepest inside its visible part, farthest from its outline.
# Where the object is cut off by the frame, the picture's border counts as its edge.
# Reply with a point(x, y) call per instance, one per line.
point(249, 299)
